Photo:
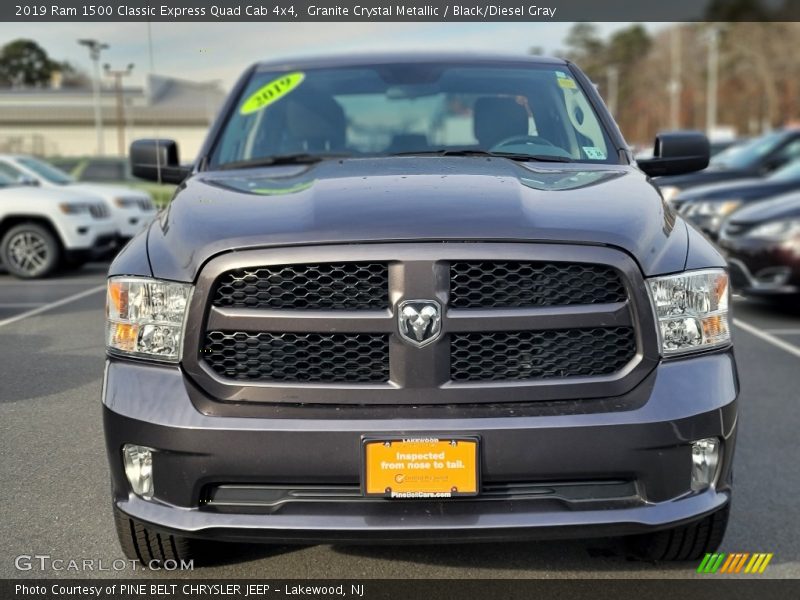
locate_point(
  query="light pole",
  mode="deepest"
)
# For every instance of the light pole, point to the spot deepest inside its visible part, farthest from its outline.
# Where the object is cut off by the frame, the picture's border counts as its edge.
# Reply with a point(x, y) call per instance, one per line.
point(674, 86)
point(612, 75)
point(713, 75)
point(118, 75)
point(95, 48)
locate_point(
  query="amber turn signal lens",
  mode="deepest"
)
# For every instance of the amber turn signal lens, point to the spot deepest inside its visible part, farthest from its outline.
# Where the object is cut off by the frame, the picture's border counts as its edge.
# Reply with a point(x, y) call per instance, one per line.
point(714, 326)
point(115, 299)
point(124, 336)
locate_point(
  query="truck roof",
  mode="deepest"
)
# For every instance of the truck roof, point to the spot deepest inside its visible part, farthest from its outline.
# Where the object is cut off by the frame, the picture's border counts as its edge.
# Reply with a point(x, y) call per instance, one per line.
point(356, 59)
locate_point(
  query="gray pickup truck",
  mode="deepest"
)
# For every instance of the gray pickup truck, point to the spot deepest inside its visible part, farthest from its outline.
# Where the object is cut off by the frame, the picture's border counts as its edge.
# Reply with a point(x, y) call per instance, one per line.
point(420, 299)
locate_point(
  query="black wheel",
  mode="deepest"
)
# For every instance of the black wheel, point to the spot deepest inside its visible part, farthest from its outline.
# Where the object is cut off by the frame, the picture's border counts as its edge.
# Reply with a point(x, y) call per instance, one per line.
point(30, 251)
point(145, 545)
point(687, 542)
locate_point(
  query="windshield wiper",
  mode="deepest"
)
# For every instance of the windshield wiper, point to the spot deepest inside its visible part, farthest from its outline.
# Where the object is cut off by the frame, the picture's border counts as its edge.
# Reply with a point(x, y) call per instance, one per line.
point(509, 155)
point(300, 158)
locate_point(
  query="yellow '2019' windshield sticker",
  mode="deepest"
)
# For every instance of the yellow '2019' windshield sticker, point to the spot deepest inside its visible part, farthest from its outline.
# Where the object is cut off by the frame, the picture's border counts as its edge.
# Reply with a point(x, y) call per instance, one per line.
point(271, 92)
point(565, 81)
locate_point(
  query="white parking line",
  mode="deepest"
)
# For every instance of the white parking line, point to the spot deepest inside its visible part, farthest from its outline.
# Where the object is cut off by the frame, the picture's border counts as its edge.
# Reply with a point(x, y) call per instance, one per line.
point(788, 331)
point(19, 304)
point(768, 337)
point(51, 305)
point(45, 282)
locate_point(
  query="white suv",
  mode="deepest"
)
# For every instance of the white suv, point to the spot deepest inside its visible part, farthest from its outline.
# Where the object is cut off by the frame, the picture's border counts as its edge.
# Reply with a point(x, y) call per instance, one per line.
point(43, 229)
point(132, 210)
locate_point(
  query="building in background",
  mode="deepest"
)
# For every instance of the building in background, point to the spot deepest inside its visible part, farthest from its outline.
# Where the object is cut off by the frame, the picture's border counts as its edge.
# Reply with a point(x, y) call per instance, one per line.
point(58, 121)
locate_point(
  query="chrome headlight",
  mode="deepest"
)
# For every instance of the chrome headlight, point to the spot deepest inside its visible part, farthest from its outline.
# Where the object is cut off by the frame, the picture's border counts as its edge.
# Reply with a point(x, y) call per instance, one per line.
point(141, 202)
point(145, 317)
point(77, 208)
point(709, 208)
point(692, 310)
point(668, 192)
point(776, 230)
point(126, 202)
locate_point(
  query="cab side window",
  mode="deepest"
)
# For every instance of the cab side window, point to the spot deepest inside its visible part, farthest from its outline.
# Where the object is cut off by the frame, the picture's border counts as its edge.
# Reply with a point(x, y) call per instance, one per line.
point(10, 172)
point(785, 155)
point(103, 171)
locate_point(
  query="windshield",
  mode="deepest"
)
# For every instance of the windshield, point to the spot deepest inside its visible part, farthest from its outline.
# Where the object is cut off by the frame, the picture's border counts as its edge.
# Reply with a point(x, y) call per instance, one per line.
point(45, 170)
point(6, 181)
point(743, 156)
point(536, 111)
point(790, 172)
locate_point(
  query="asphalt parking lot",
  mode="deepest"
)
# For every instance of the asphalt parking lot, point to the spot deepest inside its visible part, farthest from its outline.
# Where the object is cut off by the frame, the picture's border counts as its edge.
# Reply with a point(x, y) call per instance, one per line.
point(55, 481)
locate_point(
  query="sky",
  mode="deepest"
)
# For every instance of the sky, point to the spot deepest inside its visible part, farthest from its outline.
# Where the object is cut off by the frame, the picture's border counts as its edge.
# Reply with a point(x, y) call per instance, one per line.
point(221, 51)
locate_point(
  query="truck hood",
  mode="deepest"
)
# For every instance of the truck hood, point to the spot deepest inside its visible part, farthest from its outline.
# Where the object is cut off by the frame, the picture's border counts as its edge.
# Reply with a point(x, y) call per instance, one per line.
point(415, 199)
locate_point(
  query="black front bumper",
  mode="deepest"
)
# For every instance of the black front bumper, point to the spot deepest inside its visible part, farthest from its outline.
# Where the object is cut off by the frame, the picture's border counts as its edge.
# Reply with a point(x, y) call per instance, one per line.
point(103, 247)
point(562, 457)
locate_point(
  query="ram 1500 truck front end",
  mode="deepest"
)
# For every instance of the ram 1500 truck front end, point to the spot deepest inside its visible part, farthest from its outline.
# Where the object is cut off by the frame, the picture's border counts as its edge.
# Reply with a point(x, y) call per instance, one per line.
point(339, 334)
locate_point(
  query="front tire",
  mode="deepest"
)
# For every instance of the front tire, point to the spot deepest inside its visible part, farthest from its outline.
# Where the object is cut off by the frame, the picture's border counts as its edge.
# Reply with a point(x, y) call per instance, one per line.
point(30, 251)
point(684, 543)
point(143, 544)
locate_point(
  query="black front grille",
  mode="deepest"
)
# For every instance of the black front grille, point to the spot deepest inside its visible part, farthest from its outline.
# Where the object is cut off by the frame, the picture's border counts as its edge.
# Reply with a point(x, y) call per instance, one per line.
point(526, 284)
point(526, 355)
point(98, 211)
point(329, 286)
point(101, 241)
point(304, 358)
point(520, 323)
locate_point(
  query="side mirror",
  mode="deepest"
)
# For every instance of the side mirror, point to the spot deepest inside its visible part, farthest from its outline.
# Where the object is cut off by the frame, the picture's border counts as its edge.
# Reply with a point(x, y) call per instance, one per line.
point(157, 160)
point(677, 152)
point(28, 181)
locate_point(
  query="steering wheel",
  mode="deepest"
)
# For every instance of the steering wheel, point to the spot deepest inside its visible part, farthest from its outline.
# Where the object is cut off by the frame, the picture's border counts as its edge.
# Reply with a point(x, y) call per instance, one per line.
point(524, 139)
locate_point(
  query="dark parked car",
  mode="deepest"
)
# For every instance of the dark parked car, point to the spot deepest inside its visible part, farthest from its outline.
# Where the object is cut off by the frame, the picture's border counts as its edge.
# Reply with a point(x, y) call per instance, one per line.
point(719, 146)
point(755, 158)
point(763, 247)
point(420, 299)
point(707, 206)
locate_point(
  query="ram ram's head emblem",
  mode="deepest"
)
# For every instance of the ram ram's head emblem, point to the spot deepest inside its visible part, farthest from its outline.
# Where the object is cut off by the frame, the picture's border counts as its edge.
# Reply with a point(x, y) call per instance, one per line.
point(419, 321)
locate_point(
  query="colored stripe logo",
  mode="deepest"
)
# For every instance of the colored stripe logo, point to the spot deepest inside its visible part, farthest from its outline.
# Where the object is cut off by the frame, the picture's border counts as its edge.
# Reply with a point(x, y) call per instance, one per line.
point(735, 562)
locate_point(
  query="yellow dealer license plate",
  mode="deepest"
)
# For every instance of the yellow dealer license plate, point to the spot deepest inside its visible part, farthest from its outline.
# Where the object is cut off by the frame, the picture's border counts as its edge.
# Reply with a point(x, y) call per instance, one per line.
point(425, 467)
